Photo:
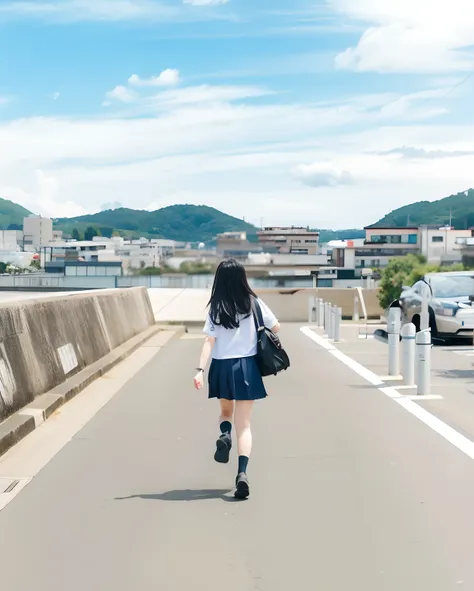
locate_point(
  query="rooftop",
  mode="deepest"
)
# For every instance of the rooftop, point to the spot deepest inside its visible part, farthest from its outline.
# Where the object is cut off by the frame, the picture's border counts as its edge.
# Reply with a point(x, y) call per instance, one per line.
point(79, 244)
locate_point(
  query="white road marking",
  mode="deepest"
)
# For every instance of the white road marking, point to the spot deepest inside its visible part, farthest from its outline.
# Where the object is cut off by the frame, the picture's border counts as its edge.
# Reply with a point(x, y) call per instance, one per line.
point(407, 402)
point(26, 459)
point(391, 378)
point(421, 397)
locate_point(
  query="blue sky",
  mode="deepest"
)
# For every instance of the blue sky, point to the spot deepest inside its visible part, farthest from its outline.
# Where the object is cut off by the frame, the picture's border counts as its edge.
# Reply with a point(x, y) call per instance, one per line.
point(328, 113)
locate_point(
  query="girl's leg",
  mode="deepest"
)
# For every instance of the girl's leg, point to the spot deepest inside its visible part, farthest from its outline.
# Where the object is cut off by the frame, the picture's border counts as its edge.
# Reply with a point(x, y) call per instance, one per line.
point(224, 443)
point(227, 411)
point(243, 413)
point(242, 416)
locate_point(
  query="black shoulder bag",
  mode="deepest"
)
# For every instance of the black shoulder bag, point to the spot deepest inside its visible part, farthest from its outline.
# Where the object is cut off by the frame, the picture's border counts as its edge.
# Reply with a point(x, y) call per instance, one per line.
point(271, 357)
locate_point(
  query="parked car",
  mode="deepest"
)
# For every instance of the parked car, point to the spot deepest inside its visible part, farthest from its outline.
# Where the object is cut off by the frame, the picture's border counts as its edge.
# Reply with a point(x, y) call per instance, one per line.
point(450, 304)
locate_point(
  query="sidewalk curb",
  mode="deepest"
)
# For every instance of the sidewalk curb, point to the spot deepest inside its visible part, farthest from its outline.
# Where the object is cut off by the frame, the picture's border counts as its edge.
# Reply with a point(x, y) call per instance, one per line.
point(30, 417)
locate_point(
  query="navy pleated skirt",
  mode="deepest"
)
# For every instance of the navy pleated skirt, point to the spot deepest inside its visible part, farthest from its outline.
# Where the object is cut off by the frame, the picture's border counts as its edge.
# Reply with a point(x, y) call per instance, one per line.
point(236, 379)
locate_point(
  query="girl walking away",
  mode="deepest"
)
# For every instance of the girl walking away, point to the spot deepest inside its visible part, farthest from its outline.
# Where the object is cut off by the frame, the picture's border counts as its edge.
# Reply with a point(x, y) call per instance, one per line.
point(234, 376)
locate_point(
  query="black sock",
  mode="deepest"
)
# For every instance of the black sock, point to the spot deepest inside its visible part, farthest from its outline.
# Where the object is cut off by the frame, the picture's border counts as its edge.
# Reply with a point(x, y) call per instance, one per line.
point(243, 463)
point(226, 427)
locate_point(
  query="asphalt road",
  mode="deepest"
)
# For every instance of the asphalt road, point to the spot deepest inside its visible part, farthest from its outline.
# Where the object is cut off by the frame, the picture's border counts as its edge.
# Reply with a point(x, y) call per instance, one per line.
point(349, 492)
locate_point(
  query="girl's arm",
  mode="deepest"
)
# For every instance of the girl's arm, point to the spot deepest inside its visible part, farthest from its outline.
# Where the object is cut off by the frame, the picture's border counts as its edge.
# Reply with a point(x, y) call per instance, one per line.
point(203, 361)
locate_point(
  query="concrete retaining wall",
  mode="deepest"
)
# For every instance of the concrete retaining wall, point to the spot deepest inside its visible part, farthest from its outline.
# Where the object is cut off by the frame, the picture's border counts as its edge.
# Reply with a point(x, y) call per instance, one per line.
point(43, 342)
point(292, 305)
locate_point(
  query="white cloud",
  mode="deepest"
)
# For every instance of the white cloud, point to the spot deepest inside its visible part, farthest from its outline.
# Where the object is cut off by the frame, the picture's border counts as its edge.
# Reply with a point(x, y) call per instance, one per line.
point(113, 205)
point(322, 175)
point(205, 2)
point(410, 36)
point(54, 96)
point(208, 94)
point(168, 77)
point(214, 146)
point(48, 201)
point(121, 94)
point(3, 100)
point(411, 152)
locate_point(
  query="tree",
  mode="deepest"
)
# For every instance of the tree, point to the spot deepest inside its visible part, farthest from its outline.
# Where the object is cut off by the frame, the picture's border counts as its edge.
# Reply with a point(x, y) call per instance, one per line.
point(106, 232)
point(90, 233)
point(397, 274)
point(76, 235)
point(150, 271)
point(35, 265)
point(197, 268)
point(407, 271)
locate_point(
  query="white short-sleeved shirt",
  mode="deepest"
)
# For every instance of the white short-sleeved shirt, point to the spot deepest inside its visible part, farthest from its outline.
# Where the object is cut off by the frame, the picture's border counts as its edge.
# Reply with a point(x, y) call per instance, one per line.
point(238, 342)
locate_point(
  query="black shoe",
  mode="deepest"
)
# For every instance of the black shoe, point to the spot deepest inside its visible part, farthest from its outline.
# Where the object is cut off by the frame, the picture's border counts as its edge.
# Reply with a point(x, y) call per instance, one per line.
point(224, 445)
point(242, 486)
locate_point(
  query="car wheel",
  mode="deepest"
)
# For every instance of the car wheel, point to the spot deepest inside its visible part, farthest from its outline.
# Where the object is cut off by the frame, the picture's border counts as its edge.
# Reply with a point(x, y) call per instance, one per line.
point(433, 327)
point(416, 320)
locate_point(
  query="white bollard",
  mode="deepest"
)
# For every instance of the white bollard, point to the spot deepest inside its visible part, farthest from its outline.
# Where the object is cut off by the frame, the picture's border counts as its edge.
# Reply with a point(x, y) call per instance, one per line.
point(337, 324)
point(331, 322)
point(328, 318)
point(327, 306)
point(408, 354)
point(320, 305)
point(423, 362)
point(355, 314)
point(393, 329)
point(311, 309)
point(425, 316)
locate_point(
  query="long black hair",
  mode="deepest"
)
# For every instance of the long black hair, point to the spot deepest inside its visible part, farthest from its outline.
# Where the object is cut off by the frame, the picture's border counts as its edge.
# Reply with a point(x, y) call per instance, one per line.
point(231, 296)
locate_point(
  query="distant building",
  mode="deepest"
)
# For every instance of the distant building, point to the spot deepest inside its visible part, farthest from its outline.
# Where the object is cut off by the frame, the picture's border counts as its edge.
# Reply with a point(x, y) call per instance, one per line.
point(289, 240)
point(84, 257)
point(442, 245)
point(235, 245)
point(11, 240)
point(439, 245)
point(142, 253)
point(37, 232)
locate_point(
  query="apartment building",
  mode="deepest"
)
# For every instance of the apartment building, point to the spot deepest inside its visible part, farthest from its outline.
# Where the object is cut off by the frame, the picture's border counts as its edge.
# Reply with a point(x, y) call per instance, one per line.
point(437, 244)
point(235, 245)
point(37, 232)
point(289, 240)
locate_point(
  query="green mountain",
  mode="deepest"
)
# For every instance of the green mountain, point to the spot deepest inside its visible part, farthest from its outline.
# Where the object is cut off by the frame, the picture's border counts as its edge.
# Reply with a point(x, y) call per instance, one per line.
point(11, 215)
point(184, 223)
point(457, 209)
point(328, 235)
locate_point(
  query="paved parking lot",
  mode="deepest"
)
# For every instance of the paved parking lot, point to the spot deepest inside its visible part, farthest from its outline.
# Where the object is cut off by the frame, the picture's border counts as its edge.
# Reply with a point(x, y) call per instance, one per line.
point(452, 385)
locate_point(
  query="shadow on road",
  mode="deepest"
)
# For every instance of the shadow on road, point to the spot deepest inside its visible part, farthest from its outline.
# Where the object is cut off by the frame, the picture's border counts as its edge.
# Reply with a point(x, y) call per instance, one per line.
point(185, 495)
point(462, 374)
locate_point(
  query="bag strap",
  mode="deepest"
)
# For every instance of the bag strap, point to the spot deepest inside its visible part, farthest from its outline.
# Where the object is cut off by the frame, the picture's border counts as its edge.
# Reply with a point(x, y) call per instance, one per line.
point(257, 314)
